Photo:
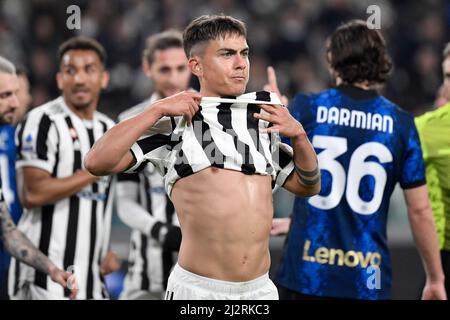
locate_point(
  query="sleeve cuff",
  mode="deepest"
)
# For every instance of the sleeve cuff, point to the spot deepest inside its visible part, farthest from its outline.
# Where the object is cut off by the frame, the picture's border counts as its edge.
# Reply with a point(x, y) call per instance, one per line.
point(136, 151)
point(413, 185)
point(284, 174)
point(37, 163)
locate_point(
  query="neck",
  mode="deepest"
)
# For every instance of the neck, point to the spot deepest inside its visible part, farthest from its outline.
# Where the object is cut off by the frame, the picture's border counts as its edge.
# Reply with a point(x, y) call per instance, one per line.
point(204, 92)
point(362, 85)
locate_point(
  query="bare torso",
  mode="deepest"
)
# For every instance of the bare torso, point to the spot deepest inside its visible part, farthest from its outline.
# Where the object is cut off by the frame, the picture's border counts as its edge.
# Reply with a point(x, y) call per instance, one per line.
point(226, 218)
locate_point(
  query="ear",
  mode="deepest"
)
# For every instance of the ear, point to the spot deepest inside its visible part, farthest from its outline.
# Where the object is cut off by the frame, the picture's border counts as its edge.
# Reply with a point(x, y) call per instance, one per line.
point(146, 68)
point(59, 80)
point(105, 79)
point(195, 66)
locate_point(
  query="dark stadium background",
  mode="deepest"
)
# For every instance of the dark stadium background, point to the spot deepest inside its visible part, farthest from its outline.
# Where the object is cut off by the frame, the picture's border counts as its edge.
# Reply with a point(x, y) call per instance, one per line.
point(287, 34)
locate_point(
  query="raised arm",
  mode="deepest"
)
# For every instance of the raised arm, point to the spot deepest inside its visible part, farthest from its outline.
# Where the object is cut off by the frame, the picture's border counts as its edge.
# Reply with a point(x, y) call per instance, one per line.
point(111, 153)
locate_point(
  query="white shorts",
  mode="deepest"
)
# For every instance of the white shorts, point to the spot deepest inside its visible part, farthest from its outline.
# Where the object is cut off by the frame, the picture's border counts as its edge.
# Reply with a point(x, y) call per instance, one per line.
point(185, 285)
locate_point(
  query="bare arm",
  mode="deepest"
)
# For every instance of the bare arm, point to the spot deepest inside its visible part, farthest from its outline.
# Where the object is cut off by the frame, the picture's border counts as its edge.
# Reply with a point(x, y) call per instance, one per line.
point(305, 180)
point(21, 248)
point(37, 187)
point(111, 153)
point(424, 232)
point(137, 217)
point(130, 211)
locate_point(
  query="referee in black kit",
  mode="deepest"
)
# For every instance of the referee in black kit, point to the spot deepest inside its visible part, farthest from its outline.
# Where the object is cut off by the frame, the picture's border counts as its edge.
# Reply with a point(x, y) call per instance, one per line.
point(67, 210)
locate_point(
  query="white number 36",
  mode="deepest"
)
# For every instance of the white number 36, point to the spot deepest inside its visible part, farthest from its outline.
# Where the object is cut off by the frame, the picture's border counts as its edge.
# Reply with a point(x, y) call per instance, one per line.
point(357, 169)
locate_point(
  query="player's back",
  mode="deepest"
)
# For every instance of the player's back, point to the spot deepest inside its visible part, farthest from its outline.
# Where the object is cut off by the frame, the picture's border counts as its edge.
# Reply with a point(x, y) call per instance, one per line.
point(365, 145)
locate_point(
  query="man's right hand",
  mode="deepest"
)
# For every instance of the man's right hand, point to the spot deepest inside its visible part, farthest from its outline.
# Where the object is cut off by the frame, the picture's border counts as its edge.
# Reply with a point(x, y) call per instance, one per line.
point(280, 226)
point(434, 291)
point(65, 279)
point(184, 104)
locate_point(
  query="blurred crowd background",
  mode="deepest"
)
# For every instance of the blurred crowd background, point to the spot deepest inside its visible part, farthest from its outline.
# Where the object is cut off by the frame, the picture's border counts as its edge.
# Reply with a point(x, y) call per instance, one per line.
point(288, 34)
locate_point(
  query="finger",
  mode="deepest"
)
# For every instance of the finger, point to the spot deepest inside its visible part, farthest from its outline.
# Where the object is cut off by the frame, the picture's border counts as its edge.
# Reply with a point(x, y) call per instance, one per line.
point(195, 95)
point(272, 77)
point(268, 87)
point(194, 107)
point(192, 111)
point(268, 108)
point(188, 117)
point(73, 294)
point(272, 129)
point(265, 117)
point(61, 281)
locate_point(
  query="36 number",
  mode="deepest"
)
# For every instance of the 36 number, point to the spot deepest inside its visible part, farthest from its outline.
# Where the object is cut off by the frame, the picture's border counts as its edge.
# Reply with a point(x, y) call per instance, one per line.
point(358, 168)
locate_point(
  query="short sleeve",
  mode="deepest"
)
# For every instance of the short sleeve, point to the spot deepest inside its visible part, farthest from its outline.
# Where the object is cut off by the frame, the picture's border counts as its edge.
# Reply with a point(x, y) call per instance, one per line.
point(36, 141)
point(282, 157)
point(413, 166)
point(154, 146)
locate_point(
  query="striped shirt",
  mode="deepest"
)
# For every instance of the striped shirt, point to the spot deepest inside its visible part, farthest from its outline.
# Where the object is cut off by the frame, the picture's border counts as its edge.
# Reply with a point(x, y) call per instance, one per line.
point(73, 232)
point(223, 135)
point(141, 202)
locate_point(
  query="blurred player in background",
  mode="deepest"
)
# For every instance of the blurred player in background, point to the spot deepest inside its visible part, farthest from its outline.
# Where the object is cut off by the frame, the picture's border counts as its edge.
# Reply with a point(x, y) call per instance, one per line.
point(142, 202)
point(24, 96)
point(434, 133)
point(68, 210)
point(11, 239)
point(337, 245)
point(443, 95)
point(10, 104)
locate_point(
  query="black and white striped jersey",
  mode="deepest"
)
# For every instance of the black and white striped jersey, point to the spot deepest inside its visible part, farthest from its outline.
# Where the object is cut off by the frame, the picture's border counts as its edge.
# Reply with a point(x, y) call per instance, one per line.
point(222, 134)
point(141, 202)
point(73, 232)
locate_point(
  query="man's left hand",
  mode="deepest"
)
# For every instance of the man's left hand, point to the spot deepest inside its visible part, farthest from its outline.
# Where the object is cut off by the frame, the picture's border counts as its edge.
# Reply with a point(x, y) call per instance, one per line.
point(283, 122)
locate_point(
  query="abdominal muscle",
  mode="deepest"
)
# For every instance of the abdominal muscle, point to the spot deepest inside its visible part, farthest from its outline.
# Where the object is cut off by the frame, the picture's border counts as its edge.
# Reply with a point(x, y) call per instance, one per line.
point(225, 217)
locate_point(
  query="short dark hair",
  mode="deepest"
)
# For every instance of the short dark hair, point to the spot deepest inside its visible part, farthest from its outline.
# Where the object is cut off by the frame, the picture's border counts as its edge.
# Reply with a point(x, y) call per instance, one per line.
point(161, 41)
point(446, 51)
point(357, 53)
point(211, 27)
point(82, 43)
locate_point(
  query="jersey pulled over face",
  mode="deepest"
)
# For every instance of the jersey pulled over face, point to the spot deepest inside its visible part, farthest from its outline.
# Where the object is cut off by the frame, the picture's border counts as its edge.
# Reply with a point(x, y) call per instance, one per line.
point(365, 145)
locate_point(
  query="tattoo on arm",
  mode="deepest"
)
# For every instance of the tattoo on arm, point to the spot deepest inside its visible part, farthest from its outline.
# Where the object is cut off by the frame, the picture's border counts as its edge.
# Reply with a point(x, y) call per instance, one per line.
point(308, 177)
point(18, 245)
